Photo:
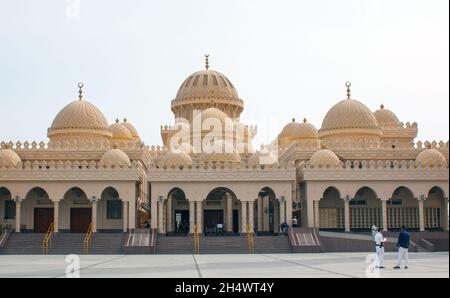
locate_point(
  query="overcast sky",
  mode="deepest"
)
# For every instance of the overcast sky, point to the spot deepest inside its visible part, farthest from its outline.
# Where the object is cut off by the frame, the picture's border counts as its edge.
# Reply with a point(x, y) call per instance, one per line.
point(286, 58)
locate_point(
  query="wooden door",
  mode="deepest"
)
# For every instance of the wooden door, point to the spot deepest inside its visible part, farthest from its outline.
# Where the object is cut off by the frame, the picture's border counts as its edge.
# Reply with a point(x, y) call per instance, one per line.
point(212, 218)
point(80, 219)
point(43, 217)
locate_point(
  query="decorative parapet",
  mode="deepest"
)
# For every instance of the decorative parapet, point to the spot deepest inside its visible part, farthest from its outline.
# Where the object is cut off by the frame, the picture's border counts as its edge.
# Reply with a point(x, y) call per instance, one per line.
point(372, 170)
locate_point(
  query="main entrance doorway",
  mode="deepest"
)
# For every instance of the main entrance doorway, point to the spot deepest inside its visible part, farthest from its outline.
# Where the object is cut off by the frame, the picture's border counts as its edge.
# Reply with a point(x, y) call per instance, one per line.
point(212, 220)
point(181, 222)
point(80, 219)
point(43, 217)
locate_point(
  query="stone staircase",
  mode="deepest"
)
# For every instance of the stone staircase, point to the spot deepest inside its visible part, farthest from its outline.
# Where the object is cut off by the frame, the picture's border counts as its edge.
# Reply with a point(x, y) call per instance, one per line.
point(64, 243)
point(175, 245)
point(272, 245)
point(23, 244)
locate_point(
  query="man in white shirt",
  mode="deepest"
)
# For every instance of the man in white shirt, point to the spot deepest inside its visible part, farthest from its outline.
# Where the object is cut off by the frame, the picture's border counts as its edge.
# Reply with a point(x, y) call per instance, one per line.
point(379, 245)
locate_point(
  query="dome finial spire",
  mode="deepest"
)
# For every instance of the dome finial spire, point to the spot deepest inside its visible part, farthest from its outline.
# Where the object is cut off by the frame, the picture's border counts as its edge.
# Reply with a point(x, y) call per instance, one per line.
point(382, 106)
point(348, 85)
point(80, 91)
point(207, 61)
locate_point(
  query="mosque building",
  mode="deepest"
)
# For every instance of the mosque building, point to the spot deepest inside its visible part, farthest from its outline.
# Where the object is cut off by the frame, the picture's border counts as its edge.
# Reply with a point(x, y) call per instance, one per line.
point(360, 168)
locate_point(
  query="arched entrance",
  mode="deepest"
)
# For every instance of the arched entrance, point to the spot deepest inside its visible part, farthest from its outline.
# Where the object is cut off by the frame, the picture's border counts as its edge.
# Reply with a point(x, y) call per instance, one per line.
point(177, 219)
point(331, 210)
point(403, 210)
point(268, 212)
point(365, 210)
point(110, 211)
point(7, 209)
point(76, 211)
point(221, 212)
point(434, 216)
point(37, 211)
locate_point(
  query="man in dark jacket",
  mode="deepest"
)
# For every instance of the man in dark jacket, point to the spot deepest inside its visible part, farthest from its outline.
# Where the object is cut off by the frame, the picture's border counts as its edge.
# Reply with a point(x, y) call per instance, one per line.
point(403, 246)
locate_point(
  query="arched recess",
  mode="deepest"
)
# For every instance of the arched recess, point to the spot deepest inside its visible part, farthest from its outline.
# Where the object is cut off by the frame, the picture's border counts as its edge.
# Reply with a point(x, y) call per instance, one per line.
point(177, 207)
point(267, 212)
point(7, 209)
point(365, 210)
point(403, 210)
point(435, 211)
point(75, 211)
point(110, 211)
point(221, 208)
point(331, 210)
point(36, 213)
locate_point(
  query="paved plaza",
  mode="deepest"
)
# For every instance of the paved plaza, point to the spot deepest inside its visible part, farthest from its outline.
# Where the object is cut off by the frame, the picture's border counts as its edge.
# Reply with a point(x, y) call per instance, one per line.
point(326, 265)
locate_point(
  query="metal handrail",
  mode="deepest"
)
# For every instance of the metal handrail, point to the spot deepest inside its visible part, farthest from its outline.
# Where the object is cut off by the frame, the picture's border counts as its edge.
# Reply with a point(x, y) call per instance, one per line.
point(196, 240)
point(250, 240)
point(87, 239)
point(48, 238)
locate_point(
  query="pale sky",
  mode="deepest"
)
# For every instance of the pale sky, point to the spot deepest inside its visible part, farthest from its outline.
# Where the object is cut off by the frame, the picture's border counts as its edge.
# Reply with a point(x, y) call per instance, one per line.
point(286, 58)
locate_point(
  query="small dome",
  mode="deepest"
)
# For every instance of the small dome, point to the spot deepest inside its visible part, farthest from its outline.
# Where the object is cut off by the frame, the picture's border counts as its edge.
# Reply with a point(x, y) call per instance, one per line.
point(132, 129)
point(120, 131)
point(115, 157)
point(430, 158)
point(324, 158)
point(207, 84)
point(347, 115)
point(176, 159)
point(263, 158)
point(386, 118)
point(297, 131)
point(80, 114)
point(9, 158)
point(213, 113)
point(226, 153)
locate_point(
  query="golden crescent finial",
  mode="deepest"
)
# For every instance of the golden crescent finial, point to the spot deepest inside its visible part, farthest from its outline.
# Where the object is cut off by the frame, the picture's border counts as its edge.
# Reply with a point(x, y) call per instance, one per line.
point(348, 85)
point(80, 91)
point(207, 61)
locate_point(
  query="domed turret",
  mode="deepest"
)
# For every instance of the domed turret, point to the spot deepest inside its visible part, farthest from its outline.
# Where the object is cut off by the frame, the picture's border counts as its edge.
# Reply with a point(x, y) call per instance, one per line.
point(324, 158)
point(430, 158)
point(176, 159)
point(386, 118)
point(9, 158)
point(115, 157)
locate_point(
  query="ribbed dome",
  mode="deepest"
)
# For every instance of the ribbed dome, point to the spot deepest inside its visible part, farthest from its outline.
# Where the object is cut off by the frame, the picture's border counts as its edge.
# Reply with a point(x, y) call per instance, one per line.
point(120, 131)
point(132, 129)
point(176, 159)
point(115, 157)
point(324, 158)
point(80, 114)
point(9, 159)
point(347, 115)
point(207, 84)
point(430, 158)
point(297, 131)
point(226, 153)
point(386, 118)
point(213, 113)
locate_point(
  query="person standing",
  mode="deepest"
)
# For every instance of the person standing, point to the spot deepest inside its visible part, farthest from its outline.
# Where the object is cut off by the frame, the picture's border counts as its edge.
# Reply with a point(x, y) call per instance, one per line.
point(379, 245)
point(403, 246)
point(295, 222)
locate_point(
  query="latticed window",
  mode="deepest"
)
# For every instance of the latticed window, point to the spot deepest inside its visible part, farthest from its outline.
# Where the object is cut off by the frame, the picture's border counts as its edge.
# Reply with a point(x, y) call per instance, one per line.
point(205, 80)
point(196, 81)
point(215, 82)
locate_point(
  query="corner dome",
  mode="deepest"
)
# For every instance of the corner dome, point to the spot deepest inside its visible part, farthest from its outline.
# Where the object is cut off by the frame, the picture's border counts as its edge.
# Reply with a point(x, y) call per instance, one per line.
point(176, 159)
point(263, 158)
point(297, 131)
point(214, 113)
point(226, 153)
point(9, 158)
point(324, 158)
point(349, 116)
point(120, 131)
point(132, 129)
point(386, 118)
point(115, 157)
point(430, 158)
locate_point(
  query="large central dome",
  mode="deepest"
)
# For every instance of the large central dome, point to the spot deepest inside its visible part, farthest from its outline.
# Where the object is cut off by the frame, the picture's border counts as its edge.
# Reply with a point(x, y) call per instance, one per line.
point(207, 89)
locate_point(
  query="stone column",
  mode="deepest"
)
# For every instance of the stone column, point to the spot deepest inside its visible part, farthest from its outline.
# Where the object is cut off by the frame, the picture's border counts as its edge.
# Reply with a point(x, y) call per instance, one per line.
point(384, 214)
point(125, 216)
point(199, 217)
point(229, 219)
point(316, 215)
point(260, 214)
point(266, 223)
point(191, 217)
point(94, 215)
point(444, 214)
point(288, 208)
point(18, 214)
point(154, 213)
point(347, 214)
point(243, 217)
point(282, 210)
point(421, 215)
point(56, 216)
point(169, 225)
point(251, 216)
point(161, 216)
